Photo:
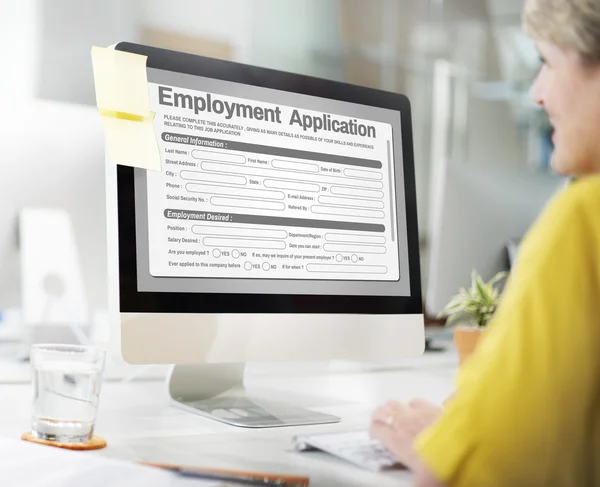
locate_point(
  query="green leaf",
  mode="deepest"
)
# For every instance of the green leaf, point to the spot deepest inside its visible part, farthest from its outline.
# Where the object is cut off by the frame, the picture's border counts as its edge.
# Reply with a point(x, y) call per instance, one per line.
point(497, 277)
point(482, 290)
point(456, 318)
point(478, 303)
point(473, 289)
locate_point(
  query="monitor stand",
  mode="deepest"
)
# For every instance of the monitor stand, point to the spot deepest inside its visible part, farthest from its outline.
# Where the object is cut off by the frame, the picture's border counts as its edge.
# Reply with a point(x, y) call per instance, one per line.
point(217, 391)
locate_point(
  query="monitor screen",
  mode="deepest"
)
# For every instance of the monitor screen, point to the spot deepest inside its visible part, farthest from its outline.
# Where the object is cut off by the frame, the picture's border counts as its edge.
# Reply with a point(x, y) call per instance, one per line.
point(265, 191)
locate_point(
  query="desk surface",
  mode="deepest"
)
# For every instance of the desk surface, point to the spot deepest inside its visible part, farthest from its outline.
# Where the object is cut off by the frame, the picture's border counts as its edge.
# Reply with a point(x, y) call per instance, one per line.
point(139, 423)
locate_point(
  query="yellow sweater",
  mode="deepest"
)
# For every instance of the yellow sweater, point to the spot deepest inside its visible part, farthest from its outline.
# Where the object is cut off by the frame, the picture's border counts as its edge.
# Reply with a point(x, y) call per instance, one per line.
point(527, 407)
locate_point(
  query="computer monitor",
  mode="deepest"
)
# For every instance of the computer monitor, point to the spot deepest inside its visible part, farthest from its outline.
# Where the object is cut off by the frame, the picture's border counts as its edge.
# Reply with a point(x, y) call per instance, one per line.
point(52, 157)
point(479, 215)
point(282, 227)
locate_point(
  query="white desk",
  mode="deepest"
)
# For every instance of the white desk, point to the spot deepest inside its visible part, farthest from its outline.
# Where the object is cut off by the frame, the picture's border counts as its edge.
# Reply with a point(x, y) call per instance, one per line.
point(139, 423)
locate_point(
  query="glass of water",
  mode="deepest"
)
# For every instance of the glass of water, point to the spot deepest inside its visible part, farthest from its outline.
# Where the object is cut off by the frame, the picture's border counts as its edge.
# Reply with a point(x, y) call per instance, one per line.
point(66, 389)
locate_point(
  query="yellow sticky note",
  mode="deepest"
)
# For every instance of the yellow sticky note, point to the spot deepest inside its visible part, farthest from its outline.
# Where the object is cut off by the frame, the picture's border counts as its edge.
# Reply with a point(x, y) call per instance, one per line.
point(124, 103)
point(121, 81)
point(132, 143)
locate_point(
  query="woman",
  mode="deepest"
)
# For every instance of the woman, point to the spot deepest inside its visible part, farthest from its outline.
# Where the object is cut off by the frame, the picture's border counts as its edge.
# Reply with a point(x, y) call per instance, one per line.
point(526, 412)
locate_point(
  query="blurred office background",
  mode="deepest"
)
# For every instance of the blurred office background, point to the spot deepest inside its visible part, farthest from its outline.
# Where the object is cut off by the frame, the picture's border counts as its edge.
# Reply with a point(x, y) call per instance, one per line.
point(464, 64)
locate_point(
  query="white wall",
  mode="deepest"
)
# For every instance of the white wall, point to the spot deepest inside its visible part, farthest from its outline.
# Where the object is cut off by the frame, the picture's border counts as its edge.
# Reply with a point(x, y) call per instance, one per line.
point(48, 43)
point(286, 35)
point(18, 42)
point(475, 52)
point(223, 20)
point(53, 157)
point(69, 28)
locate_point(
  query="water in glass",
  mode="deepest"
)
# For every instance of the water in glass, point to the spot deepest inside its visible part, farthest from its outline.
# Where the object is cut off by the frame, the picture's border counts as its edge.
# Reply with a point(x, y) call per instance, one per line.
point(65, 401)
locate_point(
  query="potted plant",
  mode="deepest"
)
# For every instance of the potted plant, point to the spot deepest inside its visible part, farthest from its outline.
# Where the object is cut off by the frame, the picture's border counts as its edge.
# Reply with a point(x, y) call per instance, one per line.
point(471, 309)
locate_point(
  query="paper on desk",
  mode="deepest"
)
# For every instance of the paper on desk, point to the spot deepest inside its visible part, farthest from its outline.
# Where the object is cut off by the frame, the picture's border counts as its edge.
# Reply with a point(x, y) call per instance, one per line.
point(123, 100)
point(25, 464)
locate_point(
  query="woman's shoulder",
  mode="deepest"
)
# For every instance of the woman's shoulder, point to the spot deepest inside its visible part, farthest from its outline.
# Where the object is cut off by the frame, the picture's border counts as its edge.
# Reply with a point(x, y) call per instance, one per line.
point(580, 200)
point(585, 188)
point(570, 220)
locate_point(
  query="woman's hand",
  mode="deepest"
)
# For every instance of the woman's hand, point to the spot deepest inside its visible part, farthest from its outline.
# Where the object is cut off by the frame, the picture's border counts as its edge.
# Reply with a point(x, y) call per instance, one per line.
point(396, 425)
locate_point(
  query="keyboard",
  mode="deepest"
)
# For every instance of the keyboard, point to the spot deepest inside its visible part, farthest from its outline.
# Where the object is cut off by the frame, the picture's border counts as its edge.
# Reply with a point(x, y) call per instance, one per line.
point(356, 447)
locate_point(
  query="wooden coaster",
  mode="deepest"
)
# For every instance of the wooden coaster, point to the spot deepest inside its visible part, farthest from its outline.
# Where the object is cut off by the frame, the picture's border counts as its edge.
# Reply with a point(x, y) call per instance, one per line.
point(96, 443)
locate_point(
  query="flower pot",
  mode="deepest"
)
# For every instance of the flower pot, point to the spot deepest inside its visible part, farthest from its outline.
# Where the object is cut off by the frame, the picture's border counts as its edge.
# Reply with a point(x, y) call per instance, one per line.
point(465, 341)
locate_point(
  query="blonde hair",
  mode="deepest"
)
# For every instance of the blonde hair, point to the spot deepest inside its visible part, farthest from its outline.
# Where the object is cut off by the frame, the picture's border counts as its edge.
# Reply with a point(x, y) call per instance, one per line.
point(571, 24)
